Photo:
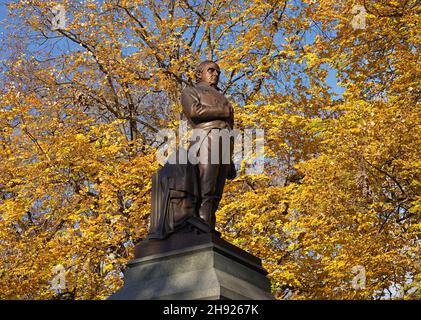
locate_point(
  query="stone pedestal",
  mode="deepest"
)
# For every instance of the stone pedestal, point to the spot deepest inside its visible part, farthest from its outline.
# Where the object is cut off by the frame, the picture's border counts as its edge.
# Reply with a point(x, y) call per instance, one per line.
point(193, 265)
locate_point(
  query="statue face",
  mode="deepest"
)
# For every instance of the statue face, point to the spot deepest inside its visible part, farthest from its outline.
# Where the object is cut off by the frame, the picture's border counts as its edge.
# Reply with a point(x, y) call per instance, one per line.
point(210, 74)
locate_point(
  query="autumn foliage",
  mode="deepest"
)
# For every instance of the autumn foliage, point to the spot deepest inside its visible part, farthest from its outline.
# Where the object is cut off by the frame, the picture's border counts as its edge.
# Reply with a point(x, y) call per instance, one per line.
point(81, 104)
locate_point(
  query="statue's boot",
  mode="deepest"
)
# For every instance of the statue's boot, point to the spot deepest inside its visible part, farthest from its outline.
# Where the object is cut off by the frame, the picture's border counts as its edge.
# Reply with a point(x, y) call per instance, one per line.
point(207, 211)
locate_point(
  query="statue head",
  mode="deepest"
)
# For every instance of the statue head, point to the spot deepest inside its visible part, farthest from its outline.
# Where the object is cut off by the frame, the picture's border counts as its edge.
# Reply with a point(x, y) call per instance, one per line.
point(208, 71)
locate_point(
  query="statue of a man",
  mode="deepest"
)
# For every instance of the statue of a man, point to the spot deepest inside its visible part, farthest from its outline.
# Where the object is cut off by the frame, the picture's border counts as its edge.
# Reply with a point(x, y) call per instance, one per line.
point(183, 192)
point(208, 109)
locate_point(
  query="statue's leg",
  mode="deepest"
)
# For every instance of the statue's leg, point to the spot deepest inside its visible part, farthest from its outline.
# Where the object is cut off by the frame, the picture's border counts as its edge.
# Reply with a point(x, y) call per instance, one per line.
point(208, 190)
point(212, 181)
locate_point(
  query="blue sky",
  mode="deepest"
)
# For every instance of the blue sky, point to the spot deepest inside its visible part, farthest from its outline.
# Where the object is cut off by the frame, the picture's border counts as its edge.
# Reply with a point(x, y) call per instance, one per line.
point(3, 14)
point(2, 9)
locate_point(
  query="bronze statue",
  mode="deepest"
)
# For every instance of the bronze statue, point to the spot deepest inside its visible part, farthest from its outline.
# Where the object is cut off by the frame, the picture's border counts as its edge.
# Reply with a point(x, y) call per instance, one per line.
point(183, 191)
point(206, 108)
point(184, 257)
